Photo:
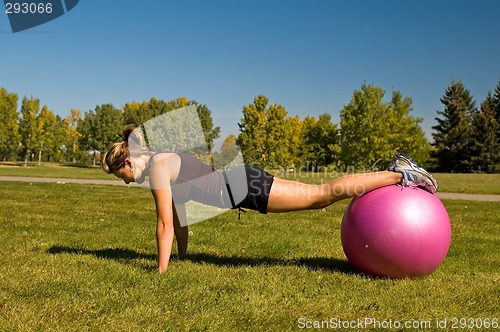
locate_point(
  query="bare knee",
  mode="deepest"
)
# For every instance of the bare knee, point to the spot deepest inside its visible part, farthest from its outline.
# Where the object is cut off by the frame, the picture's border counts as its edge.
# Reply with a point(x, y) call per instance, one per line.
point(323, 197)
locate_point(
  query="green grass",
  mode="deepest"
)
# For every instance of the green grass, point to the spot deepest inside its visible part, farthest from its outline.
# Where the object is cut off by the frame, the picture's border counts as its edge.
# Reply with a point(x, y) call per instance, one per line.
point(79, 258)
point(53, 170)
point(469, 183)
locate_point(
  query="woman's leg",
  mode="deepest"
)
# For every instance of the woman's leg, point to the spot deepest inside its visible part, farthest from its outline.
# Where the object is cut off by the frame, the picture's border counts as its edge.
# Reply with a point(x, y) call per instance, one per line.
point(286, 196)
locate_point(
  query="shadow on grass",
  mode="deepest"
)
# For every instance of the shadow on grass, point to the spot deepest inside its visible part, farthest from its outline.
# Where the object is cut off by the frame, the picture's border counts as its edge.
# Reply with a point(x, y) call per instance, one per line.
point(109, 253)
point(127, 256)
point(80, 165)
point(311, 263)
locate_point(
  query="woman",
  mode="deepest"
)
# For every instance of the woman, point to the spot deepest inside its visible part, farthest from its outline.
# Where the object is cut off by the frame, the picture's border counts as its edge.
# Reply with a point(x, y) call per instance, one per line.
point(177, 178)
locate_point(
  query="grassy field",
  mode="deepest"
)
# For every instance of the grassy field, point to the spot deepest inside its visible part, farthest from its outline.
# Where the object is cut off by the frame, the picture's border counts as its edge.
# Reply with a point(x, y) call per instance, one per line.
point(53, 170)
point(81, 258)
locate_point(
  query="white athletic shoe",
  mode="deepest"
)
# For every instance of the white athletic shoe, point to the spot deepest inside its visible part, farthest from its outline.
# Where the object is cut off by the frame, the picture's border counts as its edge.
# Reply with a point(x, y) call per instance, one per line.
point(413, 175)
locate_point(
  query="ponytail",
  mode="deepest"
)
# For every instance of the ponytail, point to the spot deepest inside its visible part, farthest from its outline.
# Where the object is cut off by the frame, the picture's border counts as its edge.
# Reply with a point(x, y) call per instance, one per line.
point(114, 158)
point(126, 132)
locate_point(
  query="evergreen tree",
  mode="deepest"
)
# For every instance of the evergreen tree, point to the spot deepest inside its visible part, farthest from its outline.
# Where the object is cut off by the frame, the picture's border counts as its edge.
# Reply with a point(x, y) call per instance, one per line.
point(496, 103)
point(453, 132)
point(496, 110)
point(485, 152)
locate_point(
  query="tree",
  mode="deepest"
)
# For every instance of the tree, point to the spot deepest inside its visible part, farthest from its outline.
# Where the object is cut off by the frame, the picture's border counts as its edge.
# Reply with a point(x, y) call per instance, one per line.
point(496, 103)
point(294, 140)
point(319, 142)
point(485, 149)
point(50, 139)
point(496, 108)
point(360, 122)
point(267, 136)
point(277, 143)
point(252, 137)
point(205, 115)
point(101, 128)
point(28, 126)
point(9, 126)
point(405, 132)
point(71, 133)
point(371, 130)
point(133, 113)
point(453, 132)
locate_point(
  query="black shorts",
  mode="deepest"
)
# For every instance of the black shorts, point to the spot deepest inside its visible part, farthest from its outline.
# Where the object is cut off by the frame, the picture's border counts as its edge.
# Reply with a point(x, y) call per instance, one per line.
point(258, 183)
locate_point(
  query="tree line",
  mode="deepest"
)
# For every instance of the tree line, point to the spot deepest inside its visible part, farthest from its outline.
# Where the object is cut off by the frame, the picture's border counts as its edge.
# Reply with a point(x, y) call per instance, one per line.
point(370, 130)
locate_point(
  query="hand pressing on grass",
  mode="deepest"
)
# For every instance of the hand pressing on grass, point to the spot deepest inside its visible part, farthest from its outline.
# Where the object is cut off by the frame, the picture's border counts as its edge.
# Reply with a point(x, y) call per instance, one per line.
point(164, 239)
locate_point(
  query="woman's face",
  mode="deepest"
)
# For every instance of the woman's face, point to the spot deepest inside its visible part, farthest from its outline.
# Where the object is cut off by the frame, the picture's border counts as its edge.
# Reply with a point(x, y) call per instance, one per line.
point(125, 173)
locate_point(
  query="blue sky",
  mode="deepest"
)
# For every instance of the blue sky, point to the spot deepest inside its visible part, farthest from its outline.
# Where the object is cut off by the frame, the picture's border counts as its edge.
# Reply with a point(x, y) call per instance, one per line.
point(309, 56)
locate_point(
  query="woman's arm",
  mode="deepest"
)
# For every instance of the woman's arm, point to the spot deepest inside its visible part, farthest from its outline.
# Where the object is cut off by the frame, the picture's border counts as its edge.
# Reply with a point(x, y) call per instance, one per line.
point(160, 188)
point(180, 229)
point(164, 227)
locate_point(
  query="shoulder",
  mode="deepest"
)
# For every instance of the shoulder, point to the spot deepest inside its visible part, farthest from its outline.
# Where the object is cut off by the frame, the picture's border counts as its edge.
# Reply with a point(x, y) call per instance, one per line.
point(165, 166)
point(163, 157)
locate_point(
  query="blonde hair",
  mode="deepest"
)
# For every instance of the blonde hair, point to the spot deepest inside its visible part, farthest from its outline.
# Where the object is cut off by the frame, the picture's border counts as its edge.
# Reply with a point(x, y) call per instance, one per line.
point(114, 158)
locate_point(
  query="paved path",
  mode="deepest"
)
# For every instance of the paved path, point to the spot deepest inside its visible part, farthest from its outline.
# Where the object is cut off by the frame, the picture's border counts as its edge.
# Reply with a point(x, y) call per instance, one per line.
point(470, 197)
point(62, 180)
point(442, 195)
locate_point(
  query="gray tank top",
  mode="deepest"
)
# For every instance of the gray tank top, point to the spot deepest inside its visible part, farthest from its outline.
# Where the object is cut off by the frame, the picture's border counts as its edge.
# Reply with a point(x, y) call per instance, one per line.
point(199, 182)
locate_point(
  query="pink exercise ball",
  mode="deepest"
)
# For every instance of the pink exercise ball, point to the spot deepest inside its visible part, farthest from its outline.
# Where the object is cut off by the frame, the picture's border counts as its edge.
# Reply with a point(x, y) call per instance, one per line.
point(396, 232)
